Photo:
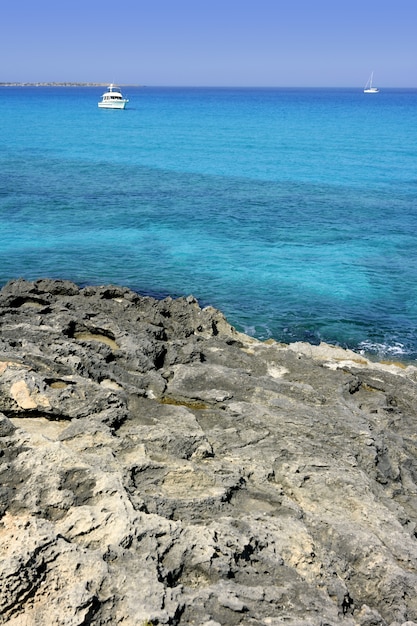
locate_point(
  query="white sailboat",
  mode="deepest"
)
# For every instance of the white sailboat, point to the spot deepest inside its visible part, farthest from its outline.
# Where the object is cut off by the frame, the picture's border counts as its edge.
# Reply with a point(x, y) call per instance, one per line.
point(368, 86)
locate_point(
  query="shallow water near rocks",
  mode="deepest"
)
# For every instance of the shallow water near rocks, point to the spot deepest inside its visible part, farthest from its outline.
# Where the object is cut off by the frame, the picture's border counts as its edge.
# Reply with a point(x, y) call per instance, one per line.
point(293, 211)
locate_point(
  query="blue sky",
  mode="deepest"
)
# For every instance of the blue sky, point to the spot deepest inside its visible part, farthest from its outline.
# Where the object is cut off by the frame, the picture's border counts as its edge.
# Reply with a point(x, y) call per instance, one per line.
point(333, 43)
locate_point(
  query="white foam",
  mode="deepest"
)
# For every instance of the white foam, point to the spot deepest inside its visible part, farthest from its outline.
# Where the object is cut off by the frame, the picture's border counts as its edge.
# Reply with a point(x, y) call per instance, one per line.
point(370, 347)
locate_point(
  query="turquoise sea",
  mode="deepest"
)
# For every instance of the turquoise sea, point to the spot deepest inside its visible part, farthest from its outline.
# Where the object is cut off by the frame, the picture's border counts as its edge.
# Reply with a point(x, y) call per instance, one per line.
point(294, 211)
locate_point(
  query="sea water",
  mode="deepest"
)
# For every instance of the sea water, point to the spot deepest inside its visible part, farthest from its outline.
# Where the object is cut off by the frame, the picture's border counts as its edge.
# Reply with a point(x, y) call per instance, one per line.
point(294, 211)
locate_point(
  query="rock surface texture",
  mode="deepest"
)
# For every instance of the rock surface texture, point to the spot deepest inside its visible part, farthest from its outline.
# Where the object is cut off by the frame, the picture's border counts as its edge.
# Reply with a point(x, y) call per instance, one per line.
point(158, 467)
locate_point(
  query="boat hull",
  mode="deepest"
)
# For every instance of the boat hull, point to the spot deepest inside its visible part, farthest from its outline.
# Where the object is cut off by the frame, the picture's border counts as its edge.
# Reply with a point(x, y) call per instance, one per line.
point(120, 104)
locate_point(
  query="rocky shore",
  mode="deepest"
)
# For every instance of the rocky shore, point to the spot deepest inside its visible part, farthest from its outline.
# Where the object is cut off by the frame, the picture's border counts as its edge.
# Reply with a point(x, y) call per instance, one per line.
point(158, 467)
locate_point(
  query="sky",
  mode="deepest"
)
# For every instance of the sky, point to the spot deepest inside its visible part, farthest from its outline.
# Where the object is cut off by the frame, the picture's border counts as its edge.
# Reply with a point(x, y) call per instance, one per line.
point(296, 43)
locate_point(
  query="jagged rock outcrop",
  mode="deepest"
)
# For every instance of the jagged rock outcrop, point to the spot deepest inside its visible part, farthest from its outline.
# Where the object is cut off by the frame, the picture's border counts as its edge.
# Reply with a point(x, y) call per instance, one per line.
point(158, 467)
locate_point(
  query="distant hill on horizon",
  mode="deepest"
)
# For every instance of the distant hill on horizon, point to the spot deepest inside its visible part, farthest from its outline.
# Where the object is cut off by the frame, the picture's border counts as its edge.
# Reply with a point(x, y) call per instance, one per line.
point(58, 84)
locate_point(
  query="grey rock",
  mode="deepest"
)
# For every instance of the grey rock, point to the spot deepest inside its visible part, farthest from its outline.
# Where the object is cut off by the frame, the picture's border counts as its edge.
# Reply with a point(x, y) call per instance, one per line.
point(159, 467)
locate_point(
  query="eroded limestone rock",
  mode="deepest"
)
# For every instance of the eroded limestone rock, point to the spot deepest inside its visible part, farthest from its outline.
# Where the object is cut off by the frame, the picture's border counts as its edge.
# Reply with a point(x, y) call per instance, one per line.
point(158, 467)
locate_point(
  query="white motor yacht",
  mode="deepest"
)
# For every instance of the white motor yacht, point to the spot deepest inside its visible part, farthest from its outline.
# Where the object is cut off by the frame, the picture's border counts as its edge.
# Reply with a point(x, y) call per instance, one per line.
point(112, 99)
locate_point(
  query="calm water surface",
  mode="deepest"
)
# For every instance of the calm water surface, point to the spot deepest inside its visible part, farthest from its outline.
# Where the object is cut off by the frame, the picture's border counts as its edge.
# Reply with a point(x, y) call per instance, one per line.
point(292, 210)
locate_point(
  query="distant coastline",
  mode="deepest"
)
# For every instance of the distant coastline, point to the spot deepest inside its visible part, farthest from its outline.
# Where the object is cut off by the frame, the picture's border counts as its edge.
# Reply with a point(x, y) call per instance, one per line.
point(66, 84)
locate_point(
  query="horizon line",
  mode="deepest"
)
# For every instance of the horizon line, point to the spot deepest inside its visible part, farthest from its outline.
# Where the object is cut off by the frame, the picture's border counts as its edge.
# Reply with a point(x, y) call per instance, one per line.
point(182, 86)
